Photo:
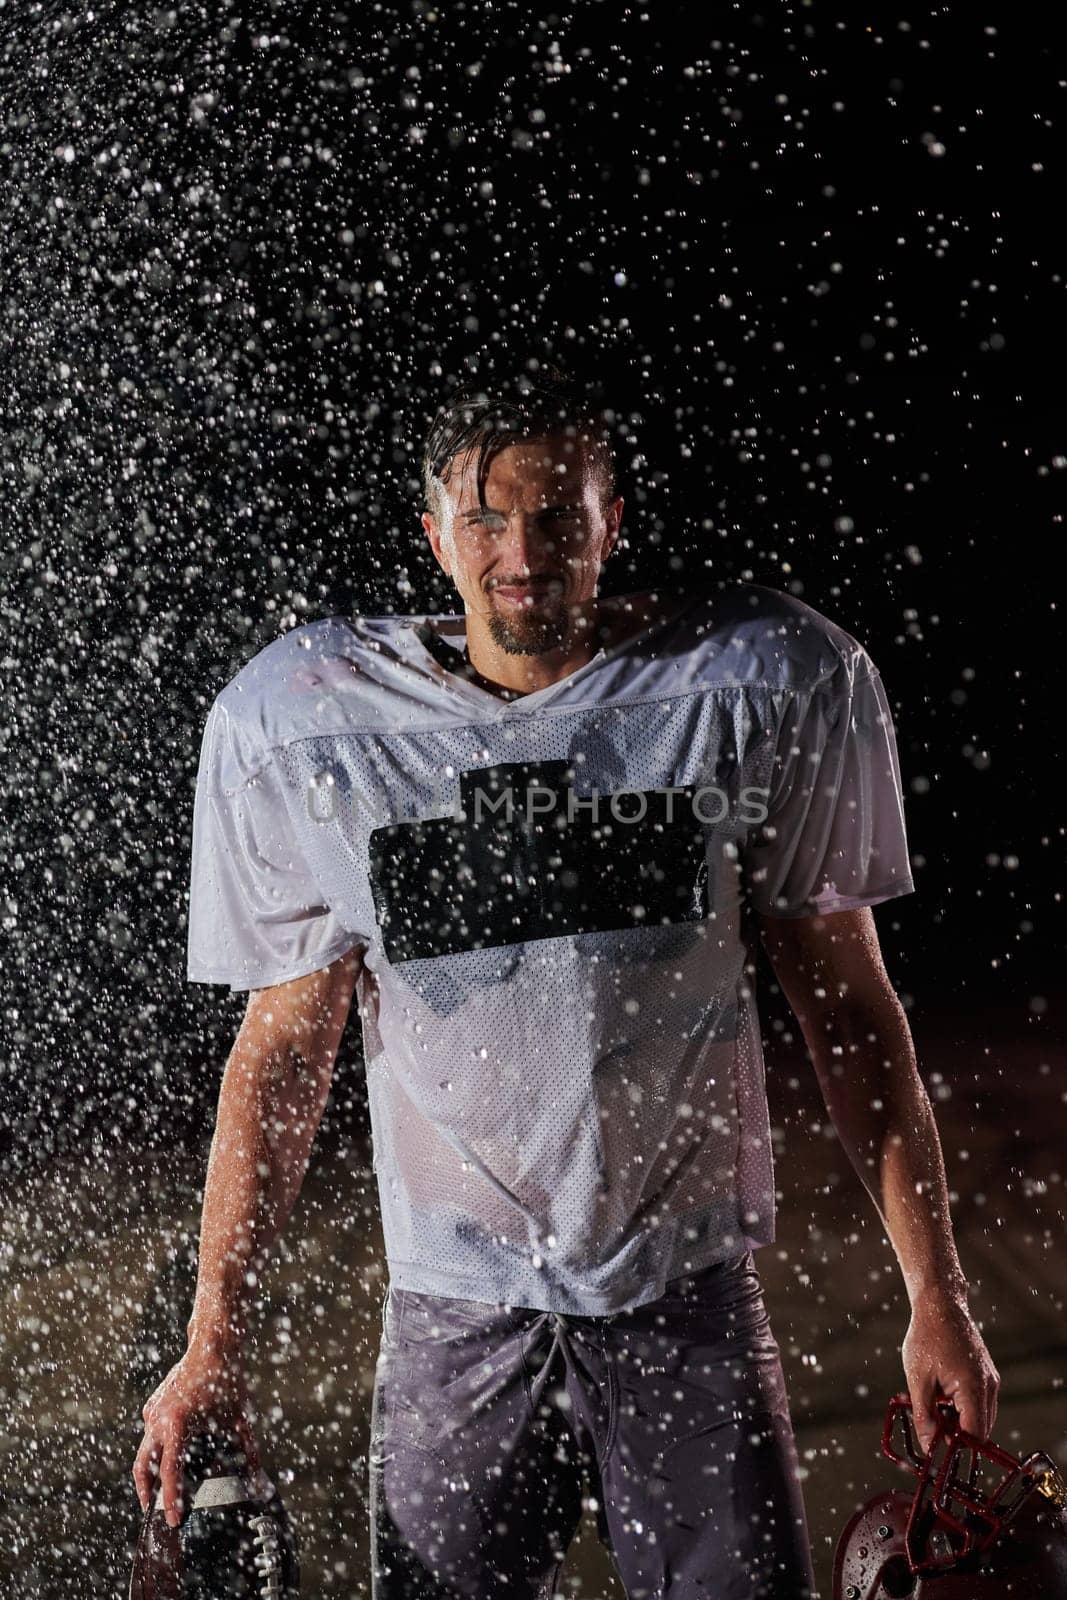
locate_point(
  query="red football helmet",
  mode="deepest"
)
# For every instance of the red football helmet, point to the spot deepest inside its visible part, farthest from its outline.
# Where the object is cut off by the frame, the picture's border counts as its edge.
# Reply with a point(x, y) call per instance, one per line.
point(234, 1540)
point(981, 1524)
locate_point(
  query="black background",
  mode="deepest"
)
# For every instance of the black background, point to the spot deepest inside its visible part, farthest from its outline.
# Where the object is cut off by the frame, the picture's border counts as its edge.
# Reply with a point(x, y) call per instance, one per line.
point(812, 250)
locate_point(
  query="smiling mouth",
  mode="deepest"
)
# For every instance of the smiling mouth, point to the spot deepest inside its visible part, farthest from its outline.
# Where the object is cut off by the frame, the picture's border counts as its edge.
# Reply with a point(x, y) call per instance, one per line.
point(518, 594)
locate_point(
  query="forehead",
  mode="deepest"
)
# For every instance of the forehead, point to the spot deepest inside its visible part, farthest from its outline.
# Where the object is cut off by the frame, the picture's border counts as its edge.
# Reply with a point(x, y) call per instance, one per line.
point(549, 469)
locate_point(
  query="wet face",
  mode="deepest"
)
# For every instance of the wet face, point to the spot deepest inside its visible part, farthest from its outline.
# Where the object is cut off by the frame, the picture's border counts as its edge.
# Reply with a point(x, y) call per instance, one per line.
point(528, 559)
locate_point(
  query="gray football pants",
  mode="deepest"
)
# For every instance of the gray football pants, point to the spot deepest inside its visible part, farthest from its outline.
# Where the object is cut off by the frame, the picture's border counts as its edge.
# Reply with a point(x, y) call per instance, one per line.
point(485, 1418)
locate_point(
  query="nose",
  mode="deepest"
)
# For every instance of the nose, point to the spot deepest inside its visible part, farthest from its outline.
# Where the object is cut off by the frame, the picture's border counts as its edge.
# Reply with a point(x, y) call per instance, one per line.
point(524, 548)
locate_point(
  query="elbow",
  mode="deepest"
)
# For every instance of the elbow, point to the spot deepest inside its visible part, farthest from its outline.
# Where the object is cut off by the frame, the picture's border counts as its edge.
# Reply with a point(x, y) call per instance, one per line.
point(873, 1031)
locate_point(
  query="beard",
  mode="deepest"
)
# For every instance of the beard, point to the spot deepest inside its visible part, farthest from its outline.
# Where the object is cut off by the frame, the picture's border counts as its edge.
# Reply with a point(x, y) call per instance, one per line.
point(532, 631)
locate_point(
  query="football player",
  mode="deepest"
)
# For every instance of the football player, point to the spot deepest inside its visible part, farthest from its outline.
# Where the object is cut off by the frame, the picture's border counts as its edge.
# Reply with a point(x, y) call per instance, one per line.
point(537, 839)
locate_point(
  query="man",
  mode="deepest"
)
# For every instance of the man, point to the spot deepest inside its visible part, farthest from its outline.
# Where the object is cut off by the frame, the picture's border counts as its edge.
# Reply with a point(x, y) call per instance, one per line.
point(539, 837)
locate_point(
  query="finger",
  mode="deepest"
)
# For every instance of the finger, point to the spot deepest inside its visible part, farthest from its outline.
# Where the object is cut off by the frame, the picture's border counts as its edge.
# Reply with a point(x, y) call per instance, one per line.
point(991, 1407)
point(171, 1474)
point(971, 1405)
point(146, 1471)
point(143, 1468)
point(923, 1411)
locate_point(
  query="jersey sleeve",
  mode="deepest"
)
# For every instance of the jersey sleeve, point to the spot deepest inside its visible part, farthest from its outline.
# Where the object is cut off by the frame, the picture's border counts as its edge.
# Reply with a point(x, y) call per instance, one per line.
point(256, 914)
point(834, 837)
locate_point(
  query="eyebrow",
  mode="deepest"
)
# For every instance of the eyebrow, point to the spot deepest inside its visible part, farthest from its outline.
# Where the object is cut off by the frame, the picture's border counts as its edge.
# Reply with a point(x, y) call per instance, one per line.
point(479, 511)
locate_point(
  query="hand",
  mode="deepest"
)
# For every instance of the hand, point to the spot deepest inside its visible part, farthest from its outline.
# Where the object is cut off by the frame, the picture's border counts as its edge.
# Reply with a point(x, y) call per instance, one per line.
point(945, 1358)
point(206, 1386)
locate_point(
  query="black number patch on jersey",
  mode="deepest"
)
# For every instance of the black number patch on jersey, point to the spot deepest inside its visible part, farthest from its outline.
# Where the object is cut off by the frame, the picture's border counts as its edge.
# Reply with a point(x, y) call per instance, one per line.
point(529, 858)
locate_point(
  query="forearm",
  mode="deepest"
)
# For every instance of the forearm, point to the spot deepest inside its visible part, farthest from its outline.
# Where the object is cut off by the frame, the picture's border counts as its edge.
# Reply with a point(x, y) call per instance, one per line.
point(865, 1060)
point(269, 1109)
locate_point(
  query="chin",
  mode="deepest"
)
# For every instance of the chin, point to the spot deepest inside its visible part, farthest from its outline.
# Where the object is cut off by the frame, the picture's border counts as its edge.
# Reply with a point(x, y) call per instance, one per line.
point(529, 635)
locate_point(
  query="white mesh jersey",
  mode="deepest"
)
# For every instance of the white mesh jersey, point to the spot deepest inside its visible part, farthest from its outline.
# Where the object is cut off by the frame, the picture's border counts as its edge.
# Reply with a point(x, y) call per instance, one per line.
point(563, 1054)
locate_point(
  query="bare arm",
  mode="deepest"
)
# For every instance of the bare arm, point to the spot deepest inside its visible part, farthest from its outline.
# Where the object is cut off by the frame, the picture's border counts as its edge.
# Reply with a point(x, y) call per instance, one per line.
point(273, 1094)
point(832, 973)
point(274, 1091)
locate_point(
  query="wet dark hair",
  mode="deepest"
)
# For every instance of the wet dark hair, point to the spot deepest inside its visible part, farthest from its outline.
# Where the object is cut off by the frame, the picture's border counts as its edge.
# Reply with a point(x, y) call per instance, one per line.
point(487, 415)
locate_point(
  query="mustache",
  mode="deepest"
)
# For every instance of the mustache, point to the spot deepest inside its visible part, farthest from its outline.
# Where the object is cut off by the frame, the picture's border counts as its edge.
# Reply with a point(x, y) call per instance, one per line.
point(538, 580)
